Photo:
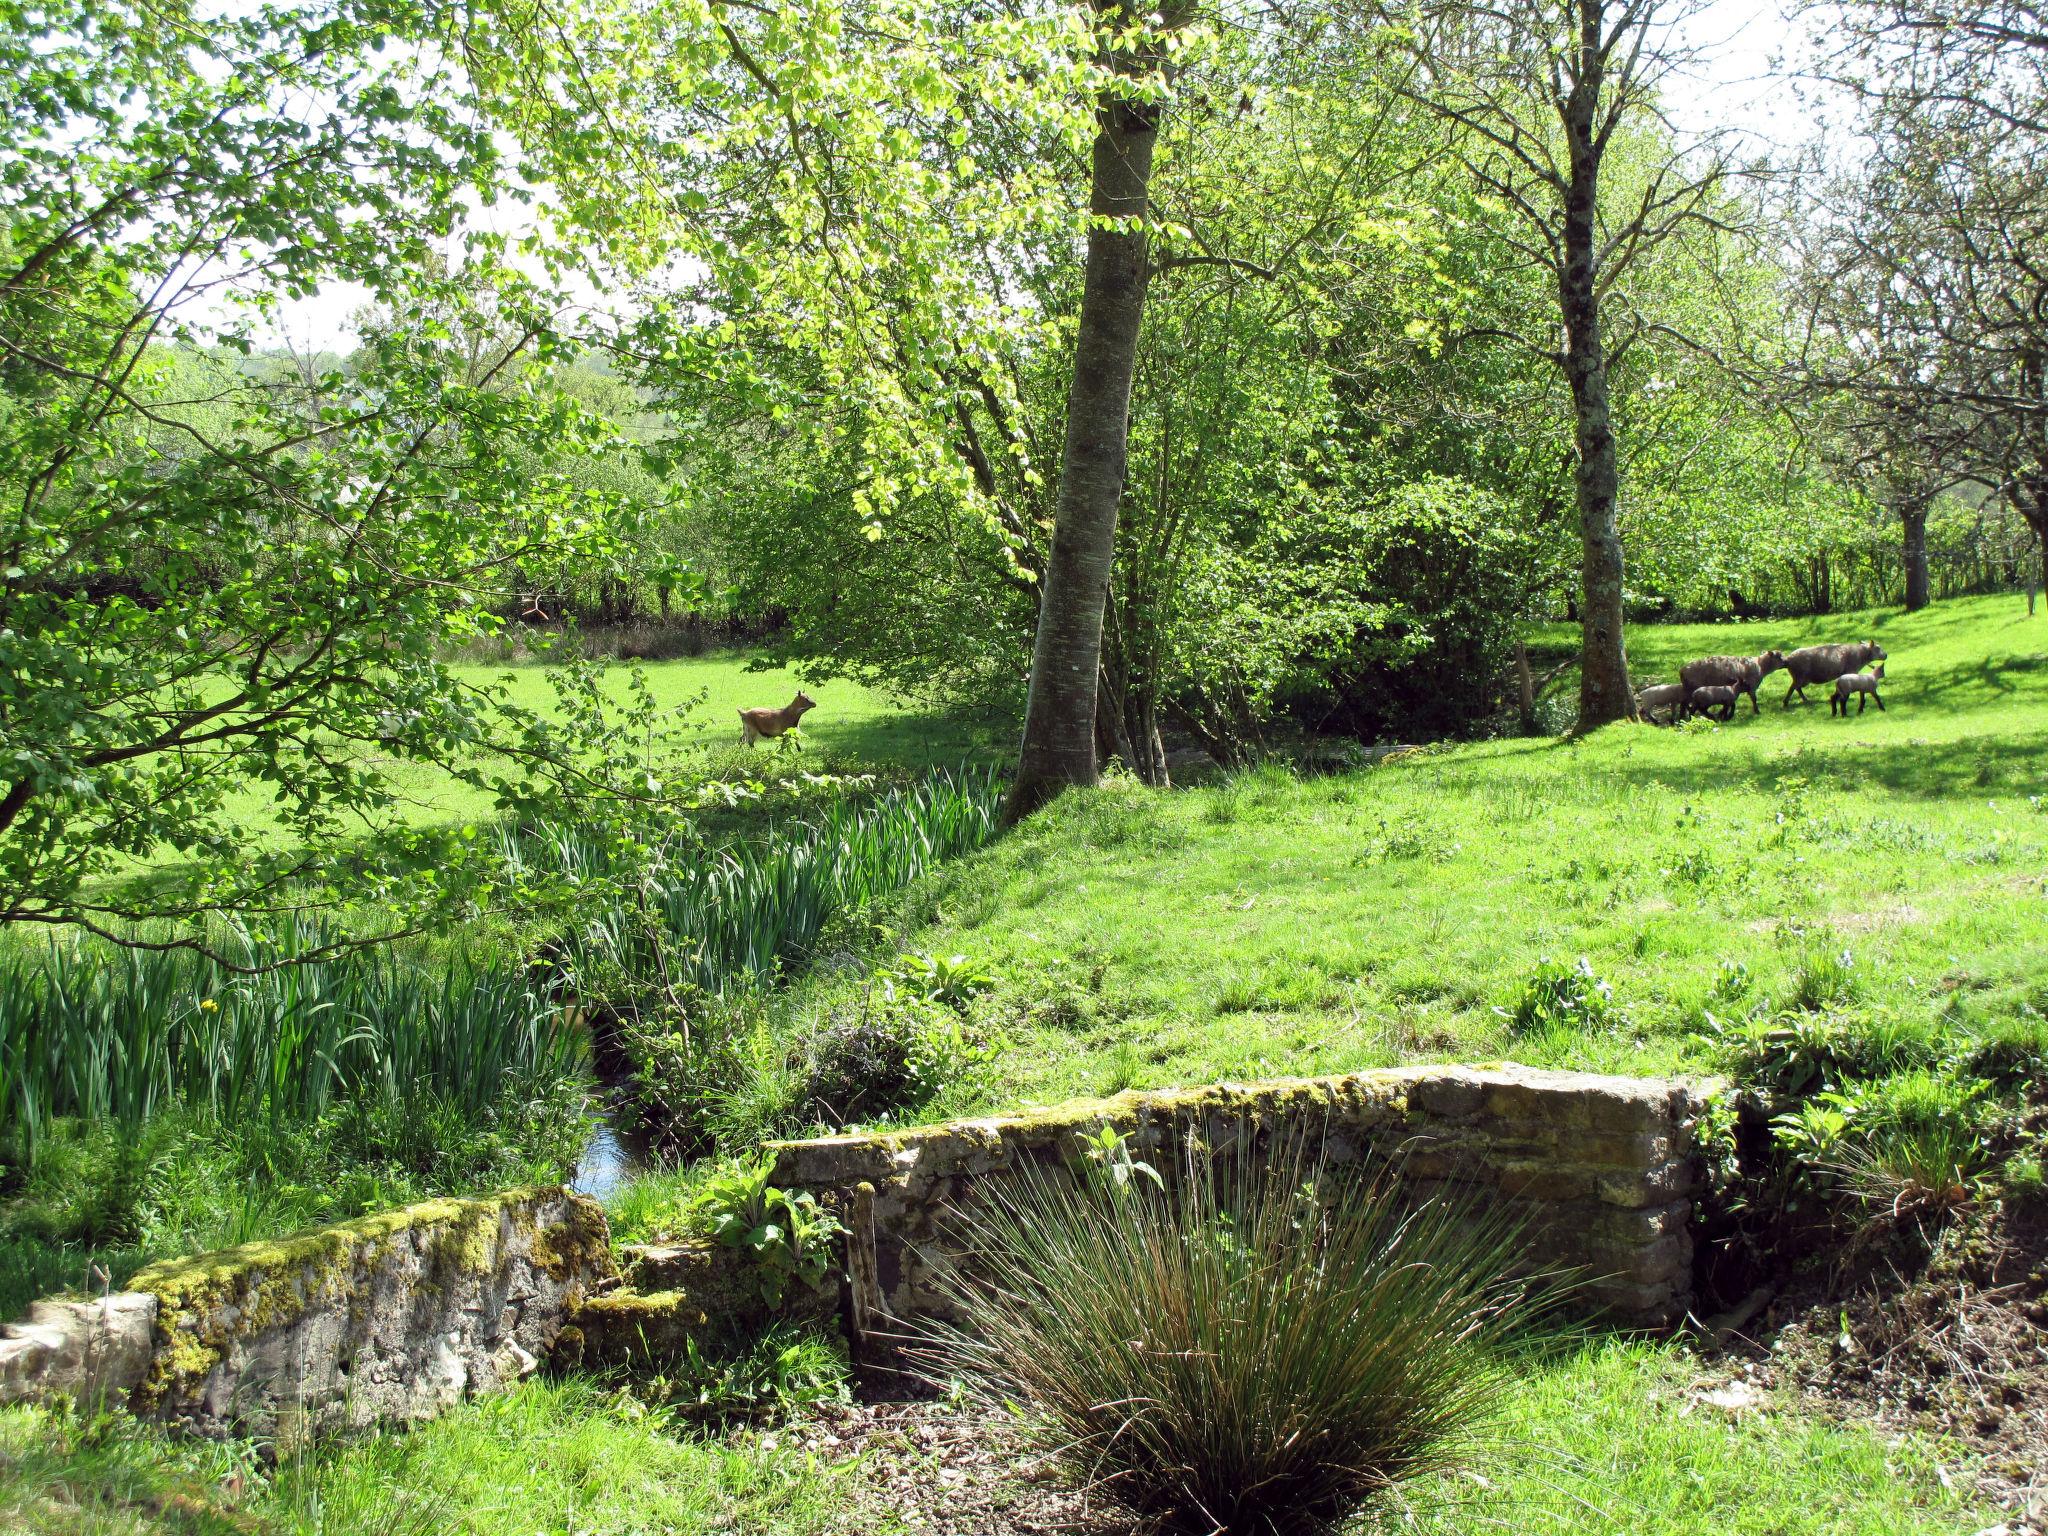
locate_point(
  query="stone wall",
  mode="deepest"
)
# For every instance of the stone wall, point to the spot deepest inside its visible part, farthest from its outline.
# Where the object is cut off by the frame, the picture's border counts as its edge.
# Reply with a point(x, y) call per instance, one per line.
point(1602, 1169)
point(387, 1319)
point(398, 1316)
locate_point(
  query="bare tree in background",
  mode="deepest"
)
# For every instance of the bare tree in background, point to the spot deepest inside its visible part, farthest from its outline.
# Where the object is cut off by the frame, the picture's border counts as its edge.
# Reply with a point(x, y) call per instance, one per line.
point(1939, 237)
point(1544, 91)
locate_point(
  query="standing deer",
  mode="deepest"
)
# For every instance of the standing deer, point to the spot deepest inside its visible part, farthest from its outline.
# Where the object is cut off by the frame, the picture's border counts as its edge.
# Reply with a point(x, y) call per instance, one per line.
point(756, 723)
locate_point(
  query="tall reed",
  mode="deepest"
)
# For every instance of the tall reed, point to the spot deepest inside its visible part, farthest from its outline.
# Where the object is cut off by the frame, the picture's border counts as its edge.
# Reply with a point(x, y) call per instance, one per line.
point(95, 1031)
point(98, 1032)
point(682, 914)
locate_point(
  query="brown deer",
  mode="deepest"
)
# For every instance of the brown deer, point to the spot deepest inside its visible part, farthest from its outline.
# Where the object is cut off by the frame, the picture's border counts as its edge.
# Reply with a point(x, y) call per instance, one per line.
point(756, 723)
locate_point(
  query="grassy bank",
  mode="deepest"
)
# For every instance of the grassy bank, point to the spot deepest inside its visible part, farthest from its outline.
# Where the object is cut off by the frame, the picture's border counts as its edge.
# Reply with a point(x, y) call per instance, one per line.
point(1279, 925)
point(1612, 1439)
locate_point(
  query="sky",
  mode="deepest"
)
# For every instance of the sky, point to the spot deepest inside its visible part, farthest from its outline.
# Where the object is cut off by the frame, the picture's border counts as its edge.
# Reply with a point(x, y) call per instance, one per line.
point(1742, 82)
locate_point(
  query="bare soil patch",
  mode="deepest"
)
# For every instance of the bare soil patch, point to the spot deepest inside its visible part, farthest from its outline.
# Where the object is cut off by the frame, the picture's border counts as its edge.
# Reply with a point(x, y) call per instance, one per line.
point(1944, 1333)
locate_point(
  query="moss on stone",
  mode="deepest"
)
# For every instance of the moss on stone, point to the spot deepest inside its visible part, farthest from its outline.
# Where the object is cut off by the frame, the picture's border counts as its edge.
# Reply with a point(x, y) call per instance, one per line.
point(205, 1301)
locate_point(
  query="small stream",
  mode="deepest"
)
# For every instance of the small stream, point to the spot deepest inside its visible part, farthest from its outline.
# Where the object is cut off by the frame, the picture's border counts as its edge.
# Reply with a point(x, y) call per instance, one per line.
point(606, 1164)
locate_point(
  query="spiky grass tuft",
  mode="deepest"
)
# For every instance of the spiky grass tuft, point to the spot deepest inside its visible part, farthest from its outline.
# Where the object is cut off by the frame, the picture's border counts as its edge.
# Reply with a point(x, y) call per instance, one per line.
point(1247, 1341)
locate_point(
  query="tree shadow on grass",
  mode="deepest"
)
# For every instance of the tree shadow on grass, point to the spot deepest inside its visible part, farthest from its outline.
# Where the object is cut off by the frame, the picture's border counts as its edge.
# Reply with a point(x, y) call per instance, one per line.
point(1929, 770)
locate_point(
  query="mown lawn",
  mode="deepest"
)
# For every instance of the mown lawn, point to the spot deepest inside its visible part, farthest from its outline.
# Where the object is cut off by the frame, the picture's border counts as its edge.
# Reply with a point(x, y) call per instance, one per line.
point(1279, 925)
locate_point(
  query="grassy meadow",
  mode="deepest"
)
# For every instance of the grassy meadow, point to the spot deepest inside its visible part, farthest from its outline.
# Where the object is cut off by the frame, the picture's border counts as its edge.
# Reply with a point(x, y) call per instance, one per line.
point(1275, 924)
point(856, 728)
point(1434, 906)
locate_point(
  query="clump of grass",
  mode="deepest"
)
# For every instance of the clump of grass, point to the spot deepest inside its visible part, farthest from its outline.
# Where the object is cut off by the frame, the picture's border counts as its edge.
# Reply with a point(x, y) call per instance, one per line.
point(1246, 1341)
point(1918, 1172)
point(1825, 979)
point(1558, 998)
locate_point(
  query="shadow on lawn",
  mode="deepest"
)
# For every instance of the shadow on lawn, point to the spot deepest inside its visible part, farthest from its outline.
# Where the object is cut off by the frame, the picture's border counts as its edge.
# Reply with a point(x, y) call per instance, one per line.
point(1932, 770)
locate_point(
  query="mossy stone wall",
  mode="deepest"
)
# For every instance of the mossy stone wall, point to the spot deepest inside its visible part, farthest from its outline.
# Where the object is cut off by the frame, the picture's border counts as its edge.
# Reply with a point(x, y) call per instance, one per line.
point(1605, 1170)
point(387, 1319)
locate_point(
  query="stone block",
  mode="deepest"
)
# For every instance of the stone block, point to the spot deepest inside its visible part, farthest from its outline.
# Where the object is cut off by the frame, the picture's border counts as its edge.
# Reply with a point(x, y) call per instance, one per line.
point(94, 1351)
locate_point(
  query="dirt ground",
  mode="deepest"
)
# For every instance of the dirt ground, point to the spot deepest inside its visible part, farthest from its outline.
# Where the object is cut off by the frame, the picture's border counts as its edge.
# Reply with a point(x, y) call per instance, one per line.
point(1947, 1335)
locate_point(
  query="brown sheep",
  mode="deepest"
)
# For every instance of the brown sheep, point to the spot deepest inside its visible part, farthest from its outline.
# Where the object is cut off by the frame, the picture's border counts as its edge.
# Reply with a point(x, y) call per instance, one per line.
point(1721, 696)
point(1743, 673)
point(1825, 663)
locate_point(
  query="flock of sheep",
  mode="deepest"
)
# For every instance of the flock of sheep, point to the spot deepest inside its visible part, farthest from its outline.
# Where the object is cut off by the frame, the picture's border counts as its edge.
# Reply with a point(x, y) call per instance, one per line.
point(1717, 682)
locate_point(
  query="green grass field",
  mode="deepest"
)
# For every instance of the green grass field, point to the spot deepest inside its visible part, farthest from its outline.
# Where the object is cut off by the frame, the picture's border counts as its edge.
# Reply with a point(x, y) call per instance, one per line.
point(1614, 1439)
point(854, 729)
point(1275, 925)
point(1278, 925)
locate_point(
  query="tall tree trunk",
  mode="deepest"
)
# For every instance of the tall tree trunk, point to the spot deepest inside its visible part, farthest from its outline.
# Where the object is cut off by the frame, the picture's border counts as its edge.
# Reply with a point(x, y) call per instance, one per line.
point(1604, 692)
point(1059, 717)
point(1917, 593)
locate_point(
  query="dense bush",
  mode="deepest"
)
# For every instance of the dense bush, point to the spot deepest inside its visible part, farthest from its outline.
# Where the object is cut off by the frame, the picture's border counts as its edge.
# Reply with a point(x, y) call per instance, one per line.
point(1245, 1341)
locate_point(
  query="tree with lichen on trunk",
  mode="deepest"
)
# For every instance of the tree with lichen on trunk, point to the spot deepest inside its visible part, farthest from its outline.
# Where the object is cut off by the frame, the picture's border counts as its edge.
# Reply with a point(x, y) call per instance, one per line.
point(1066, 658)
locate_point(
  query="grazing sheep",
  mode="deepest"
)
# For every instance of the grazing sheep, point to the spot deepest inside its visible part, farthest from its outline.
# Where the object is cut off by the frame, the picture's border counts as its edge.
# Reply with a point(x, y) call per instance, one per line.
point(1721, 696)
point(1825, 663)
point(1862, 684)
point(1669, 696)
point(1743, 672)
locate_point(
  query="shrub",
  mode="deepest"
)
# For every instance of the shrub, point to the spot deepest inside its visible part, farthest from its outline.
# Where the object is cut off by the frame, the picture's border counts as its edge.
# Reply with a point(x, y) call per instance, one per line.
point(888, 1051)
point(787, 1236)
point(1250, 1343)
point(953, 980)
point(710, 1074)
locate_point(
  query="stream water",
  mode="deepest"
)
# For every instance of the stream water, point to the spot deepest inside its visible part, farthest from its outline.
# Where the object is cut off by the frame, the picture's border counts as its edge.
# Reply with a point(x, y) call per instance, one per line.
point(607, 1162)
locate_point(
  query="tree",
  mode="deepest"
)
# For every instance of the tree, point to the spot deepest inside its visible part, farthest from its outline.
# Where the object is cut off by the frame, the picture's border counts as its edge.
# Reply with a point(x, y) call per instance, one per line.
point(1937, 232)
point(225, 582)
point(1549, 95)
point(1066, 657)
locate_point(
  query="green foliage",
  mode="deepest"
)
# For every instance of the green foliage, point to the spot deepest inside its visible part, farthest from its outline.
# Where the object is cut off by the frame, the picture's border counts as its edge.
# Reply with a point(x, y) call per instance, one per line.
point(1107, 1155)
point(1254, 1343)
point(953, 979)
point(187, 1181)
point(1560, 997)
point(226, 571)
point(788, 1237)
point(108, 1034)
point(883, 1053)
point(1799, 1054)
point(773, 1375)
